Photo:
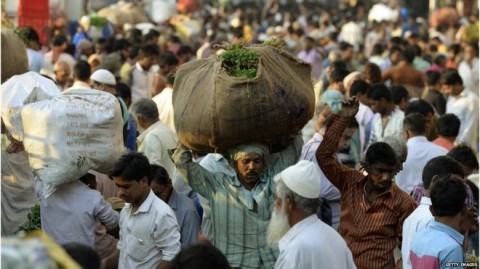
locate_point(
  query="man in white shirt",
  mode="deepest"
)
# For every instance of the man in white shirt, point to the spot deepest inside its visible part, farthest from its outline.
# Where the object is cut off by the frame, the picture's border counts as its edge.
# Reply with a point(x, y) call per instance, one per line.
point(35, 57)
point(303, 239)
point(149, 233)
point(70, 214)
point(155, 137)
point(421, 217)
point(420, 151)
point(81, 75)
point(468, 68)
point(165, 104)
point(464, 104)
point(352, 33)
point(389, 118)
point(365, 114)
point(140, 78)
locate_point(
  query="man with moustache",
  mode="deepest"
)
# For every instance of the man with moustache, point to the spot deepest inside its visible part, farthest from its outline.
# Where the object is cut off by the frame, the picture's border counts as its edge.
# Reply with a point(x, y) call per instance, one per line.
point(373, 209)
point(241, 202)
point(304, 240)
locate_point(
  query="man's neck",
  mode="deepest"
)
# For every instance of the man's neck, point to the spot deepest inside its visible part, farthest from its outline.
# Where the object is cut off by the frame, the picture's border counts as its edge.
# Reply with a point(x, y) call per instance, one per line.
point(297, 216)
point(449, 138)
point(451, 221)
point(136, 205)
point(389, 110)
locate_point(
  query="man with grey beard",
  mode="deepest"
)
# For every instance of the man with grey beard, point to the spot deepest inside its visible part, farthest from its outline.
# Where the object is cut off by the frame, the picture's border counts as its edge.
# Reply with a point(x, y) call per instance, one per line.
point(304, 240)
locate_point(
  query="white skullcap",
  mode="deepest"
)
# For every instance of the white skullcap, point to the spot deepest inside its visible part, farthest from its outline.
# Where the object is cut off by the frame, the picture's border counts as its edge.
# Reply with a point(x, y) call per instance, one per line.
point(103, 76)
point(303, 178)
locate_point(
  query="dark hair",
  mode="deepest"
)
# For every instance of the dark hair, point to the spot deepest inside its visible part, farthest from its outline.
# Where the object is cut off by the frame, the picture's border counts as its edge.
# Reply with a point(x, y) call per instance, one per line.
point(199, 255)
point(84, 255)
point(132, 166)
point(101, 41)
point(184, 50)
point(432, 48)
point(465, 156)
point(121, 44)
point(419, 106)
point(448, 196)
point(133, 52)
point(343, 46)
point(167, 58)
point(408, 54)
point(170, 78)
point(440, 60)
point(59, 40)
point(396, 41)
point(31, 34)
point(432, 77)
point(394, 49)
point(455, 48)
point(418, 50)
point(415, 123)
point(159, 175)
point(359, 86)
point(399, 93)
point(123, 90)
point(148, 50)
point(378, 92)
point(380, 152)
point(150, 36)
point(82, 70)
point(337, 75)
point(450, 77)
point(448, 125)
point(372, 73)
point(377, 49)
point(439, 166)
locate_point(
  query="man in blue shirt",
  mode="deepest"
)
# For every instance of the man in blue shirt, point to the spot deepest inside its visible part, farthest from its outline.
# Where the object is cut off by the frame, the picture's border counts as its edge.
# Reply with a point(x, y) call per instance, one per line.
point(440, 244)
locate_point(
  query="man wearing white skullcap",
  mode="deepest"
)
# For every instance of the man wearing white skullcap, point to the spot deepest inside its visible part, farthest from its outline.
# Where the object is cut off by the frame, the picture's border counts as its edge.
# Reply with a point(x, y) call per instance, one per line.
point(304, 240)
point(240, 193)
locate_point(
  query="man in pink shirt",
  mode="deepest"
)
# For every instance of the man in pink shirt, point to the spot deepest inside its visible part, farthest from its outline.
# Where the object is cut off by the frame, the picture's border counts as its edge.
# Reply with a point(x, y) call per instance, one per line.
point(448, 126)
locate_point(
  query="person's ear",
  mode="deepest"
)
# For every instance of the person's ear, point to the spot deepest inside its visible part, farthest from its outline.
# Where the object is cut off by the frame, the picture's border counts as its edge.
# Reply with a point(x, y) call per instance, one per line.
point(289, 204)
point(144, 182)
point(432, 210)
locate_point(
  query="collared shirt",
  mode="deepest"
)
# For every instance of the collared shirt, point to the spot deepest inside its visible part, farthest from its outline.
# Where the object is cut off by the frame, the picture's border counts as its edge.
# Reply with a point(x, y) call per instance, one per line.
point(148, 236)
point(418, 192)
point(240, 216)
point(80, 84)
point(165, 107)
point(312, 244)
point(371, 230)
point(417, 221)
point(187, 217)
point(154, 143)
point(394, 125)
point(35, 60)
point(465, 107)
point(420, 151)
point(444, 143)
point(327, 191)
point(435, 246)
point(470, 75)
point(141, 82)
point(76, 207)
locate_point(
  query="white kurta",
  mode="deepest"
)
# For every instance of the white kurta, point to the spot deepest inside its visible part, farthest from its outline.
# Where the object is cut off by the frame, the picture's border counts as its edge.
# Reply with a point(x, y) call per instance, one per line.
point(165, 107)
point(465, 107)
point(313, 244)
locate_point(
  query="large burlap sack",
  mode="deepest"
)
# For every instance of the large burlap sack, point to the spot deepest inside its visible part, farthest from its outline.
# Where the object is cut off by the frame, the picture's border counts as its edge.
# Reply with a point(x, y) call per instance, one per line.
point(19, 90)
point(14, 55)
point(68, 135)
point(214, 111)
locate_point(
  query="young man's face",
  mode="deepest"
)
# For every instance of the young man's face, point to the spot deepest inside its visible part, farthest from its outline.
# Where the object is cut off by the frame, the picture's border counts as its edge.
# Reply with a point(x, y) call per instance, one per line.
point(147, 61)
point(131, 190)
point(381, 175)
point(454, 89)
point(250, 168)
point(345, 138)
point(377, 106)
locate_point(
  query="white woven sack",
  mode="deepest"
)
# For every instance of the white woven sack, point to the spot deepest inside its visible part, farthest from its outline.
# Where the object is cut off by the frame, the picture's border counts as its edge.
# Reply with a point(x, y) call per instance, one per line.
point(22, 89)
point(68, 135)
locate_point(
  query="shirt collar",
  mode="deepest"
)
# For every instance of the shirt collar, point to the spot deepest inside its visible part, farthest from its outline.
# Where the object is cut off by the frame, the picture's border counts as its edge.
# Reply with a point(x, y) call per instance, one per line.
point(173, 201)
point(362, 181)
point(448, 230)
point(419, 138)
point(145, 206)
point(141, 137)
point(426, 201)
point(137, 64)
point(295, 230)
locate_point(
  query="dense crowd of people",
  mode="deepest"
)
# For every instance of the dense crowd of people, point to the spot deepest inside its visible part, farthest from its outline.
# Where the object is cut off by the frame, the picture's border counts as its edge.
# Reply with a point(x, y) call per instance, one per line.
point(384, 175)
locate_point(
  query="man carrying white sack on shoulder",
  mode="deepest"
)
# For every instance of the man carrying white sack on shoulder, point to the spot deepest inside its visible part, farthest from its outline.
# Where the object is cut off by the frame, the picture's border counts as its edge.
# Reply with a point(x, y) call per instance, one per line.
point(241, 202)
point(304, 240)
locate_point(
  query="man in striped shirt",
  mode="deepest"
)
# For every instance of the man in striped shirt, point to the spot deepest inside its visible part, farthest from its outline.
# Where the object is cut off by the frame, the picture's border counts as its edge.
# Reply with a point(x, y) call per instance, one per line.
point(241, 202)
point(373, 209)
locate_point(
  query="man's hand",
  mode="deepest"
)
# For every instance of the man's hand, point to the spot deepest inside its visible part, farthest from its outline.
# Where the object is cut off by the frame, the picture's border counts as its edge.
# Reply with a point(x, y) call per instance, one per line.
point(349, 109)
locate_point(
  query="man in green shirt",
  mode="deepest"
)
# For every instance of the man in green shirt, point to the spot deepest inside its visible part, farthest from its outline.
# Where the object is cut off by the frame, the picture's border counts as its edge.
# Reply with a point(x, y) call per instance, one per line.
point(242, 202)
